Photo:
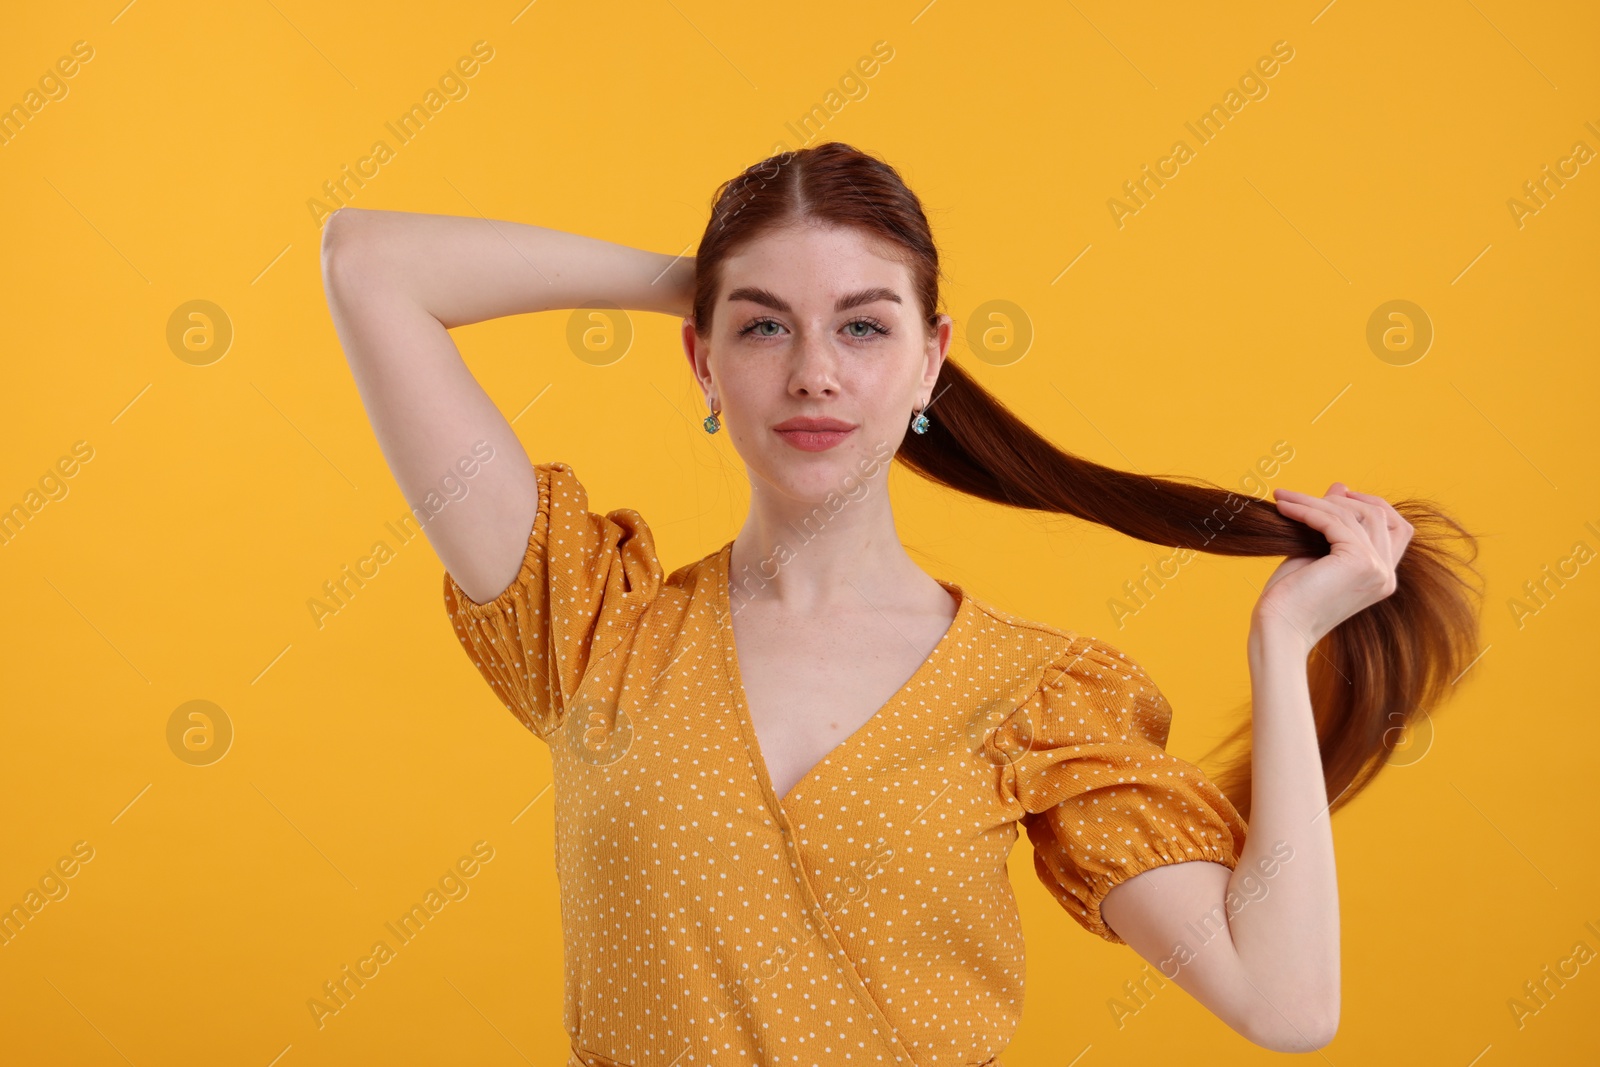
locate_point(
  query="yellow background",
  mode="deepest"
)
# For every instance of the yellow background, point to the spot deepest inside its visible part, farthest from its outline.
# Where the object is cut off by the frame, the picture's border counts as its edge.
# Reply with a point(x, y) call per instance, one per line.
point(1228, 314)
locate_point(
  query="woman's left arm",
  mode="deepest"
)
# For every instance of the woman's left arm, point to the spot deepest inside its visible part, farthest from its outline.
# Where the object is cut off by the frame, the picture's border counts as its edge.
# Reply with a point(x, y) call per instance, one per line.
point(1259, 945)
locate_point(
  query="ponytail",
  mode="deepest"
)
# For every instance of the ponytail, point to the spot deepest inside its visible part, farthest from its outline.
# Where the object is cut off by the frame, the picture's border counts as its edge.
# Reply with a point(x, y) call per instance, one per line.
point(1373, 678)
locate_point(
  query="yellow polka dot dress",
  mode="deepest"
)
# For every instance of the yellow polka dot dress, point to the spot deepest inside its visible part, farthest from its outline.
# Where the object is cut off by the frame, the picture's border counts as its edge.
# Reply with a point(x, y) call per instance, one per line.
point(864, 918)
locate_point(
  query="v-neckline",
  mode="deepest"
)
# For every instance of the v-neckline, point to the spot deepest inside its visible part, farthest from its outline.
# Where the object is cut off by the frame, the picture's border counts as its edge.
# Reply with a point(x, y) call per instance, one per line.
point(741, 698)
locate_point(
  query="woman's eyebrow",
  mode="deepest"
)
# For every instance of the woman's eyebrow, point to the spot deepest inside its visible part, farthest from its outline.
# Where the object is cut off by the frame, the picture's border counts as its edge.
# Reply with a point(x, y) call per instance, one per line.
point(767, 298)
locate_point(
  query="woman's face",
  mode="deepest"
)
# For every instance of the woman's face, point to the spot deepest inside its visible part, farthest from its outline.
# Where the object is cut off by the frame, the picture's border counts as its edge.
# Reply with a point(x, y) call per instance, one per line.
point(782, 347)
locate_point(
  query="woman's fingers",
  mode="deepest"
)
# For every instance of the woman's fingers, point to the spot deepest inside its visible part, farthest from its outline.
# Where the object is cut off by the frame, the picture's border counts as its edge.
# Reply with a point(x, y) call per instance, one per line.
point(1340, 500)
point(1371, 518)
point(1322, 507)
point(1344, 518)
point(1394, 519)
point(1398, 529)
point(1334, 523)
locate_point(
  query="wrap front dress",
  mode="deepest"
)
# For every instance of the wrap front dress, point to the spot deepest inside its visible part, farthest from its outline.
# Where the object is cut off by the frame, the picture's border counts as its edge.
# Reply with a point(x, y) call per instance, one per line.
point(866, 917)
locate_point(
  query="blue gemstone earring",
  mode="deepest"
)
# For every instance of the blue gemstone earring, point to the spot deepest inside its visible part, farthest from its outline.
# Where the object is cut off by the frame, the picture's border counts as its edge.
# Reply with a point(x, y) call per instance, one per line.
point(710, 422)
point(920, 423)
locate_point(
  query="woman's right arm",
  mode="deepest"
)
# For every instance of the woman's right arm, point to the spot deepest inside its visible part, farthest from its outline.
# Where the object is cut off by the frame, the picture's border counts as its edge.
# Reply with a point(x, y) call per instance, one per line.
point(396, 283)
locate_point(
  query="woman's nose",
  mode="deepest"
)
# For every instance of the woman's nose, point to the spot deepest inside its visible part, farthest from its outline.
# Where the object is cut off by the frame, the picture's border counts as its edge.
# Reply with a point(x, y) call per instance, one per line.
point(815, 369)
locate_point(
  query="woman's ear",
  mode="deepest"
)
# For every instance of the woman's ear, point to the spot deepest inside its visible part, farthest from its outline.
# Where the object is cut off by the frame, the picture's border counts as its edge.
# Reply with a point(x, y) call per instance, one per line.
point(938, 347)
point(693, 350)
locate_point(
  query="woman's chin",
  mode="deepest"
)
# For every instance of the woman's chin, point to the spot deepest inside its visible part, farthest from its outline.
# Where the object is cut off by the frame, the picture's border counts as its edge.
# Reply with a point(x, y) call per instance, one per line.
point(815, 477)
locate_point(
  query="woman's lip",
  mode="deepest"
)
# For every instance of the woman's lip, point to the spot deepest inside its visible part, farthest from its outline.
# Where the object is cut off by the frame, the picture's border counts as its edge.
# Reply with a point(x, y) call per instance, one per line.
point(814, 440)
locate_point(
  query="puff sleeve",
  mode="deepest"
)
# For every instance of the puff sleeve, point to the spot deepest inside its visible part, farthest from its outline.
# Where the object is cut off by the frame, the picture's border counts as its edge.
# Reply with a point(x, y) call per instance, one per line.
point(583, 583)
point(1102, 799)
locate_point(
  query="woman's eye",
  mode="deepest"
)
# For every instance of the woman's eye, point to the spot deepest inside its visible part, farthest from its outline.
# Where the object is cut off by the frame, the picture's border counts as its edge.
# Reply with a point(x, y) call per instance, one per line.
point(860, 329)
point(754, 327)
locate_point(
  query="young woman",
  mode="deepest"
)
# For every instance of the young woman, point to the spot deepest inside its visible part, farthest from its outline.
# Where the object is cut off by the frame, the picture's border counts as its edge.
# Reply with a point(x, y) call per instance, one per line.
point(788, 775)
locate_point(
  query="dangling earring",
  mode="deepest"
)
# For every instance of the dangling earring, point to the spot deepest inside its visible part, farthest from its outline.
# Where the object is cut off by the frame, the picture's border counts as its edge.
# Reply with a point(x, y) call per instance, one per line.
point(919, 424)
point(710, 423)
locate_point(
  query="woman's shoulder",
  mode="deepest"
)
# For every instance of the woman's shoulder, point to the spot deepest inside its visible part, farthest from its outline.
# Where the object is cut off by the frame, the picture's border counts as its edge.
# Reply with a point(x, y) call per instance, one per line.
point(1006, 621)
point(695, 581)
point(567, 493)
point(1057, 649)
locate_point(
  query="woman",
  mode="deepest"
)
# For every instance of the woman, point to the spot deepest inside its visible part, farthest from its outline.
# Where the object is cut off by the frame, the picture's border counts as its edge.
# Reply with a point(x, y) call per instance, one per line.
point(788, 775)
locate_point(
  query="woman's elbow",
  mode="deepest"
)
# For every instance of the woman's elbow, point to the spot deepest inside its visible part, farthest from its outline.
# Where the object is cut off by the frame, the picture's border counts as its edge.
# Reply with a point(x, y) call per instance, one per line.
point(1298, 1035)
point(339, 242)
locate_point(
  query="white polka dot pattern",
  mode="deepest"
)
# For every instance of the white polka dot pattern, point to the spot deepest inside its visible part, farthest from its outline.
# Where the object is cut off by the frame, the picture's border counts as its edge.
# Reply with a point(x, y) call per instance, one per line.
point(1104, 800)
point(864, 918)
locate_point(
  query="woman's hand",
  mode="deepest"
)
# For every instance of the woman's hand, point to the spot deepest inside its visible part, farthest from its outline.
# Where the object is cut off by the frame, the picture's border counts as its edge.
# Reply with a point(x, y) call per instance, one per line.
point(1313, 594)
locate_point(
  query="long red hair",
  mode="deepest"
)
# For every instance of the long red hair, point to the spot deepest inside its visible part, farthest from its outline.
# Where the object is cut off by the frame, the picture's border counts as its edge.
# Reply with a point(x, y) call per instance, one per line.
point(1373, 678)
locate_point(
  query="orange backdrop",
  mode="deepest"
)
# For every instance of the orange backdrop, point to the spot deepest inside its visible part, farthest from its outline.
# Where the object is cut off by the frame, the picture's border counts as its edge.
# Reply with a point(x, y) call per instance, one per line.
point(1265, 245)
